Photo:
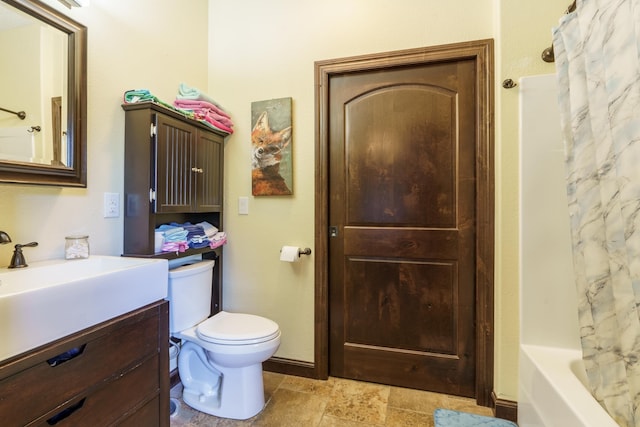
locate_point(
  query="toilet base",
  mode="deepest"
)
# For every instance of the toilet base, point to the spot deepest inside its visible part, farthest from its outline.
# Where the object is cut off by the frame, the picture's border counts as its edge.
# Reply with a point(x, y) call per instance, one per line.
point(239, 393)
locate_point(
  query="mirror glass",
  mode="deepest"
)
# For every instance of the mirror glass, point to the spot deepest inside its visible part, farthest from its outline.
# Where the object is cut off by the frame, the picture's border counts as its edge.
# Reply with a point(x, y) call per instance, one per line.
point(42, 95)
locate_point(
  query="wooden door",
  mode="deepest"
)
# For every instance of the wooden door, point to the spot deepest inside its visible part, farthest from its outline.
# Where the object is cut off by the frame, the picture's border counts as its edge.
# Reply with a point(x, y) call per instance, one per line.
point(402, 262)
point(175, 151)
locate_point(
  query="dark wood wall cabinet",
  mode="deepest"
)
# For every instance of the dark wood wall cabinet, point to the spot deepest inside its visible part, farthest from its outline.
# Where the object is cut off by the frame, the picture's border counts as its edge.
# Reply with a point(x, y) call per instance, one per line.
point(113, 373)
point(173, 173)
point(188, 171)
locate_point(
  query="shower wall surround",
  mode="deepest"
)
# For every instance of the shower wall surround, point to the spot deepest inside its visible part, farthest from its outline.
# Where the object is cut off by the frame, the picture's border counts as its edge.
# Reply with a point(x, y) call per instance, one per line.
point(551, 391)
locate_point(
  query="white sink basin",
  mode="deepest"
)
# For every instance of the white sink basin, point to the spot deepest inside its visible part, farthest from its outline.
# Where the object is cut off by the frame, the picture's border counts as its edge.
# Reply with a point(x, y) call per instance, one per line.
point(51, 299)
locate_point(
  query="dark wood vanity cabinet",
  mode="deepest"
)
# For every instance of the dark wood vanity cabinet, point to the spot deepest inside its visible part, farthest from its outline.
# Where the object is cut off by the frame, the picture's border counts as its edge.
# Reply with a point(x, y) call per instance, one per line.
point(113, 373)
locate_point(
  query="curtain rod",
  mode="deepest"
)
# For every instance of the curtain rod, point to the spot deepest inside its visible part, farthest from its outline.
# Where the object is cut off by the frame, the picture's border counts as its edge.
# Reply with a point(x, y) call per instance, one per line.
point(547, 54)
point(20, 114)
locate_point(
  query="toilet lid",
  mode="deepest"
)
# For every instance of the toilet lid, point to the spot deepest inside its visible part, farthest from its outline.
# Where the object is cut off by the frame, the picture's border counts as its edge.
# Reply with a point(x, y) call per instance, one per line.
point(237, 329)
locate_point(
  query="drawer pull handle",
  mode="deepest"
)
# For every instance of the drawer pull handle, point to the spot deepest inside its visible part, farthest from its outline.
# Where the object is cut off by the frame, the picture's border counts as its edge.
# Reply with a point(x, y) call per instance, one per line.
point(66, 356)
point(65, 413)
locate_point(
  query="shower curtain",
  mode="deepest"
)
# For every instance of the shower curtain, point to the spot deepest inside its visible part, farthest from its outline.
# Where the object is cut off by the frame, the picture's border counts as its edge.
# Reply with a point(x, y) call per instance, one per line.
point(597, 51)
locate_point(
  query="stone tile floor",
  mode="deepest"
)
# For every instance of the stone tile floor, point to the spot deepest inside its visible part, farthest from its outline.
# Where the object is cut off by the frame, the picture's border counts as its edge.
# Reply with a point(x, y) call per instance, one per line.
point(300, 402)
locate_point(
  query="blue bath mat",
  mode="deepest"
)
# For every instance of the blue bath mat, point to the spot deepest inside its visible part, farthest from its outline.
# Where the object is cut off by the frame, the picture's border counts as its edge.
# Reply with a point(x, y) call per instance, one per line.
point(449, 418)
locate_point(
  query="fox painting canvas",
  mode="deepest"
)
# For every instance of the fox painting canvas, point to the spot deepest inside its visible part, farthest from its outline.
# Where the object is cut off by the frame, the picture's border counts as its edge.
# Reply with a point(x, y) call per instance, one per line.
point(271, 143)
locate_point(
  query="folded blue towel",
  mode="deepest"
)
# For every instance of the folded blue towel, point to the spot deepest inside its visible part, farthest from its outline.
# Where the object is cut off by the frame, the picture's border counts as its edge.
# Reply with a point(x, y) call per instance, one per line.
point(194, 235)
point(189, 92)
point(173, 233)
point(449, 418)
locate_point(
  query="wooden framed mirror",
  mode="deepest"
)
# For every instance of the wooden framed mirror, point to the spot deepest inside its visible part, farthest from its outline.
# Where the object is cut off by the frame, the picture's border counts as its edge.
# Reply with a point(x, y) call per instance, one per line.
point(43, 96)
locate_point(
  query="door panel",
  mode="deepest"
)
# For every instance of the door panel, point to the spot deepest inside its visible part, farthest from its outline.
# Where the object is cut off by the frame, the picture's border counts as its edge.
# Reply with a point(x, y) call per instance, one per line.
point(209, 181)
point(394, 292)
point(398, 143)
point(175, 157)
point(402, 194)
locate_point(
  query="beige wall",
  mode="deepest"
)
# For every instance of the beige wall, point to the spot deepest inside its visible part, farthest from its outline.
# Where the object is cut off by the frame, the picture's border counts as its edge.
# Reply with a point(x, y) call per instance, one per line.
point(132, 44)
point(263, 50)
point(255, 51)
point(523, 31)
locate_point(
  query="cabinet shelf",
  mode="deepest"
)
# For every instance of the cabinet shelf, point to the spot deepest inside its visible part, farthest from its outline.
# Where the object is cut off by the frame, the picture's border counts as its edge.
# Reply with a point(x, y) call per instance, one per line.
point(174, 255)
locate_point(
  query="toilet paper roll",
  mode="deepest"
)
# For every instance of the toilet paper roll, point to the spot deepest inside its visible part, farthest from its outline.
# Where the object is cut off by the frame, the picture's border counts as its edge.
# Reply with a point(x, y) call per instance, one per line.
point(289, 254)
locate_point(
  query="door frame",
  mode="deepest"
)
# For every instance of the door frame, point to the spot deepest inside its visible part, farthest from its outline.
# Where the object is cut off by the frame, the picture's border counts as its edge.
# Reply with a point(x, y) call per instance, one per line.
point(481, 52)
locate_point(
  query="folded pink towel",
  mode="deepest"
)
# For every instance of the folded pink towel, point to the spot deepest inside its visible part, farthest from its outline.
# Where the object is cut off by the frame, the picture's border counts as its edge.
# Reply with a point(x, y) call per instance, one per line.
point(213, 122)
point(190, 104)
point(203, 110)
point(175, 247)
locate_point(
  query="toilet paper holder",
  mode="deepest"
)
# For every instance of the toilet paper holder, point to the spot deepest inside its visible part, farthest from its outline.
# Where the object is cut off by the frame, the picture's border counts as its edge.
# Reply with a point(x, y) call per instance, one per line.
point(305, 251)
point(293, 253)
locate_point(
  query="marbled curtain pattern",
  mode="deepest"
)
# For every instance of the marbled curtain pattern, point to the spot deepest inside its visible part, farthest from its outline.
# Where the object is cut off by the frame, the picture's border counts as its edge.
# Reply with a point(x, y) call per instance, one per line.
point(597, 60)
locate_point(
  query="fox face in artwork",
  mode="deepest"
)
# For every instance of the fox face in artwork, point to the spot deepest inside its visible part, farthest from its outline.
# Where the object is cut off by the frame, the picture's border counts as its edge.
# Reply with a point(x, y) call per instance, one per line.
point(267, 146)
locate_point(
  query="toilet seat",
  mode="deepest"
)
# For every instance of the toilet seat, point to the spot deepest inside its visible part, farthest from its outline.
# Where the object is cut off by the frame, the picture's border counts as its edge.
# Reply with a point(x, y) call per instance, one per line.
point(237, 329)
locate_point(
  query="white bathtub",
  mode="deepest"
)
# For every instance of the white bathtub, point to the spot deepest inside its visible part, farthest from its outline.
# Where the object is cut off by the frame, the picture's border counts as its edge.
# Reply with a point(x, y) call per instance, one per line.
point(552, 391)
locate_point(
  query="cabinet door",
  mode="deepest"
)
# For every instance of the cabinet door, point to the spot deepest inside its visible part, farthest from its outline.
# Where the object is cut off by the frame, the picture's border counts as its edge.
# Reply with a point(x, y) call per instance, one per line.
point(175, 165)
point(209, 178)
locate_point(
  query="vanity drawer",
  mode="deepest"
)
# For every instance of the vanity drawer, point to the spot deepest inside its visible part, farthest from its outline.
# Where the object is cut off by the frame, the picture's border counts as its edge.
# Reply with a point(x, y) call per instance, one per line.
point(41, 388)
point(147, 416)
point(126, 393)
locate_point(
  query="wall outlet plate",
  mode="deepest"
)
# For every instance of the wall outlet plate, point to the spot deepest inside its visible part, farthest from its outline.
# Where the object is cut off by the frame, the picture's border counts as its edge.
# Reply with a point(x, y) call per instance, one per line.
point(111, 205)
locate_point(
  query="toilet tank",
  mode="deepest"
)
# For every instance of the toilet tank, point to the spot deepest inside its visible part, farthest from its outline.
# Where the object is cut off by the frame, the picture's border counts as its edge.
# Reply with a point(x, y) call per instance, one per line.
point(189, 294)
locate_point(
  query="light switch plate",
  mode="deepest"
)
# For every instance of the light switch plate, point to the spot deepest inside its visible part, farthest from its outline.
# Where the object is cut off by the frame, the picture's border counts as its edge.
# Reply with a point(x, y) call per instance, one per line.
point(243, 205)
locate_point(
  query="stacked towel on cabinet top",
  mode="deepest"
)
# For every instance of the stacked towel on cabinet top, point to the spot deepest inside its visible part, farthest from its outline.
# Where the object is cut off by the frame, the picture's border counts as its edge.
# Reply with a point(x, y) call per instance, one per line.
point(215, 112)
point(190, 102)
point(144, 95)
point(203, 107)
point(203, 110)
point(192, 93)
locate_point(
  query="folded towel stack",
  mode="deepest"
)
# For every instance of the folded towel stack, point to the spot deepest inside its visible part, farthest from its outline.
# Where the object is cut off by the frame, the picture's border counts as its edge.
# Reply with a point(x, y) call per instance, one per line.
point(196, 238)
point(175, 238)
point(188, 92)
point(204, 108)
point(219, 239)
point(180, 237)
point(173, 232)
point(190, 102)
point(144, 95)
point(209, 229)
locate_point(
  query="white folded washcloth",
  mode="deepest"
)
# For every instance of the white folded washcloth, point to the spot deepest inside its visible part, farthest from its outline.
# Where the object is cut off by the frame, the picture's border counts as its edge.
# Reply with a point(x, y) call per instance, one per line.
point(209, 229)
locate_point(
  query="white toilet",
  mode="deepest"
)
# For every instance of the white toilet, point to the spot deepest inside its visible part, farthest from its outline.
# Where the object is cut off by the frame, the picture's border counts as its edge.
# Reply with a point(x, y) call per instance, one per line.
point(220, 362)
